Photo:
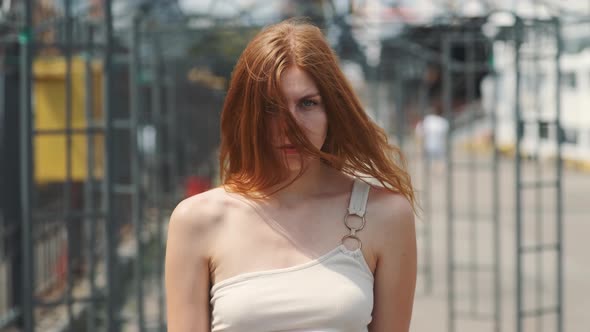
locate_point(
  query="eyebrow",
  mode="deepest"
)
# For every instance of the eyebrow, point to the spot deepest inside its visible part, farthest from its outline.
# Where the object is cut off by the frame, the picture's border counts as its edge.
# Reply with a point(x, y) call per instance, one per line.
point(311, 95)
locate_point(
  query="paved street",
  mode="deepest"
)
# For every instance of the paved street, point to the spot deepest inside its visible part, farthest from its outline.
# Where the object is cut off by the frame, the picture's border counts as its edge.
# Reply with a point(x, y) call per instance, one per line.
point(474, 193)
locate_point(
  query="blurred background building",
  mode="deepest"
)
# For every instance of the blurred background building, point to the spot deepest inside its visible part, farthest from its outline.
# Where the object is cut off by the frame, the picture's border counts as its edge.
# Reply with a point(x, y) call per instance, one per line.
point(109, 115)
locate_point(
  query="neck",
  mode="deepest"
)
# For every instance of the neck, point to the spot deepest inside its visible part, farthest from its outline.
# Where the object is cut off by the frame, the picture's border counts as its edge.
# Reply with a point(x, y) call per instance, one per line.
point(311, 183)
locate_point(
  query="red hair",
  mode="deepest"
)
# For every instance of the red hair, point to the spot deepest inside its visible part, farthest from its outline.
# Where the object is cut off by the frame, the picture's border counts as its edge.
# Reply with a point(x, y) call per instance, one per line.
point(354, 144)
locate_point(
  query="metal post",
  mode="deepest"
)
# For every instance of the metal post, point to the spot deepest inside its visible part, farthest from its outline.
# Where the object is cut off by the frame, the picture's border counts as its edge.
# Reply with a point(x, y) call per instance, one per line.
point(426, 194)
point(26, 166)
point(134, 85)
point(112, 311)
point(448, 112)
point(89, 188)
point(399, 106)
point(172, 134)
point(559, 183)
point(374, 84)
point(496, 204)
point(470, 81)
point(157, 119)
point(519, 133)
point(70, 238)
point(535, 43)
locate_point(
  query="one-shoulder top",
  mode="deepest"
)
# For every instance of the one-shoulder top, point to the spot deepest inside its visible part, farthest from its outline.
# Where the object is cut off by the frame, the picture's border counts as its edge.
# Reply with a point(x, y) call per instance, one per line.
point(331, 293)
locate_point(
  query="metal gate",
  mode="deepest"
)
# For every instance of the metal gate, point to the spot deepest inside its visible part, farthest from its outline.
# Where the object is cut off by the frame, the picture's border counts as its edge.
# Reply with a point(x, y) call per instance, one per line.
point(497, 84)
point(539, 209)
point(107, 146)
point(483, 187)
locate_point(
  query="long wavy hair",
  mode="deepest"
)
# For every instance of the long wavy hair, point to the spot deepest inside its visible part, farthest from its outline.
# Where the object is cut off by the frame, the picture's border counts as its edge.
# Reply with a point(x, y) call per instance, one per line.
point(355, 145)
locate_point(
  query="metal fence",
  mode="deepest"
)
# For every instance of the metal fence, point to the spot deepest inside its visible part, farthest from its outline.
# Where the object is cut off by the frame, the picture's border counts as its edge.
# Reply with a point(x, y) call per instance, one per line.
point(117, 123)
point(110, 130)
point(458, 71)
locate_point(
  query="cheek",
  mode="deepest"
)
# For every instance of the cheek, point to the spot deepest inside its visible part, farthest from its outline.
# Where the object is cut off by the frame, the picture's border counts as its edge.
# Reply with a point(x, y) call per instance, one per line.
point(316, 126)
point(275, 129)
point(324, 127)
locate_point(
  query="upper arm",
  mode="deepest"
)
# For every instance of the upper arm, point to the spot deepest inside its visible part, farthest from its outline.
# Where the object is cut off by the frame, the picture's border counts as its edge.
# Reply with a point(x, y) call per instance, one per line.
point(395, 274)
point(187, 271)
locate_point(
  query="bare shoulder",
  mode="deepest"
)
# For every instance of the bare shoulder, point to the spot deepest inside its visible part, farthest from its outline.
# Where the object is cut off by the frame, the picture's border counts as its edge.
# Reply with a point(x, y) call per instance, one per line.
point(196, 218)
point(191, 229)
point(390, 210)
point(394, 241)
point(392, 219)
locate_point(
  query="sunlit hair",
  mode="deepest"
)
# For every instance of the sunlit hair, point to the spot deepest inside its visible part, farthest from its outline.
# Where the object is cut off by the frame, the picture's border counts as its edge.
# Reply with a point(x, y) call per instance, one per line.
point(354, 144)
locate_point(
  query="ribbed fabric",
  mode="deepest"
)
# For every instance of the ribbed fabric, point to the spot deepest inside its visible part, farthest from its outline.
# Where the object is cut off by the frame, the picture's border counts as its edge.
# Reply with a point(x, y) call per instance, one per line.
point(332, 293)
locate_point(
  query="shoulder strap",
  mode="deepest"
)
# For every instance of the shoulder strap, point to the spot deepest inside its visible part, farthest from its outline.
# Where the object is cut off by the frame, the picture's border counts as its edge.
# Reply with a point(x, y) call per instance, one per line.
point(358, 198)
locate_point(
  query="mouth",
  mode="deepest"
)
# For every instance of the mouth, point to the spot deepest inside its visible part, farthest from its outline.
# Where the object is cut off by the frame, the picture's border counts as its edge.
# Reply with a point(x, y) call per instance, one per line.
point(288, 149)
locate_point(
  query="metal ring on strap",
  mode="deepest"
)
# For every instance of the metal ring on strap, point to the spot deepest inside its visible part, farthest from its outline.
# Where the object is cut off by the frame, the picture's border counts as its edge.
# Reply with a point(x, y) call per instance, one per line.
point(353, 229)
point(354, 237)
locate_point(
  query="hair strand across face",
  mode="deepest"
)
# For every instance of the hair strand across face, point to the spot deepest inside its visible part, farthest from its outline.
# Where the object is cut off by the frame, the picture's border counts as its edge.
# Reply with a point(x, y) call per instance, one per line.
point(354, 144)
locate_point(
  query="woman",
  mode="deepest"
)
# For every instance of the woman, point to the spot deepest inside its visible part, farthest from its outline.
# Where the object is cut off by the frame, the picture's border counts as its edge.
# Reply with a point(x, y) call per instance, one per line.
point(295, 239)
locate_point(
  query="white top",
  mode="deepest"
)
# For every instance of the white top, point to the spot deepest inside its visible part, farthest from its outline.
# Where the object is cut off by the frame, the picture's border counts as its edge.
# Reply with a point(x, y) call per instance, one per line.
point(332, 293)
point(434, 130)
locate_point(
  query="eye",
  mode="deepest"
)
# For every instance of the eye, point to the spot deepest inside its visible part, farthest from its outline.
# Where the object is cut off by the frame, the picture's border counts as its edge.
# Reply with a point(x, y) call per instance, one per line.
point(307, 103)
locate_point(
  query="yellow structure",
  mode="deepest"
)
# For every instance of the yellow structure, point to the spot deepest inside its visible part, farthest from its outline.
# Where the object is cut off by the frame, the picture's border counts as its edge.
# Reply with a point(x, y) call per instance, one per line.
point(49, 112)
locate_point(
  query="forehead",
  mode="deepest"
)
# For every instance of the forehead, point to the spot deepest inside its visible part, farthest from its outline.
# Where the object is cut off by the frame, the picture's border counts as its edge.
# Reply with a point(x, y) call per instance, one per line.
point(296, 83)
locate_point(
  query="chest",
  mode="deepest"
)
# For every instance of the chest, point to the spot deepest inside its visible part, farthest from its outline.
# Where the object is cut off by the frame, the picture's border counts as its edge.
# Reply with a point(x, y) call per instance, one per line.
point(254, 238)
point(332, 294)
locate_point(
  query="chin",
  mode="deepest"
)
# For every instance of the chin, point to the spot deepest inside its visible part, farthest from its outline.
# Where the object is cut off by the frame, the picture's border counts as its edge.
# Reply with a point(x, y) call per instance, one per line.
point(294, 166)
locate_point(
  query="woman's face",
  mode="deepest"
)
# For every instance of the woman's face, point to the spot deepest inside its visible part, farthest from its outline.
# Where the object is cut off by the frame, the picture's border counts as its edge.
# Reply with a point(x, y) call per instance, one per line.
point(305, 104)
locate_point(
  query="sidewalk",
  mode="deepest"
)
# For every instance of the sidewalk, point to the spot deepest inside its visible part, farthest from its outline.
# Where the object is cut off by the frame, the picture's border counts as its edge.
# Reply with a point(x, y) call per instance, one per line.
point(431, 311)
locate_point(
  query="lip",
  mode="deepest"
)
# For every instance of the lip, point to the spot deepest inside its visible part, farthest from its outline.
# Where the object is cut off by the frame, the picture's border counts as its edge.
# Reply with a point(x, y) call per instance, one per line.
point(288, 149)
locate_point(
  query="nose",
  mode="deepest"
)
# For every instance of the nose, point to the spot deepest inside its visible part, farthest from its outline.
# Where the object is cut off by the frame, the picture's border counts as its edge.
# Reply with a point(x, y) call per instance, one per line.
point(291, 109)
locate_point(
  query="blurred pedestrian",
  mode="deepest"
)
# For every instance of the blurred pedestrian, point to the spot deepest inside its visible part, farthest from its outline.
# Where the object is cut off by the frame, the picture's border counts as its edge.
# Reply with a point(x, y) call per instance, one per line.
point(312, 228)
point(432, 134)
